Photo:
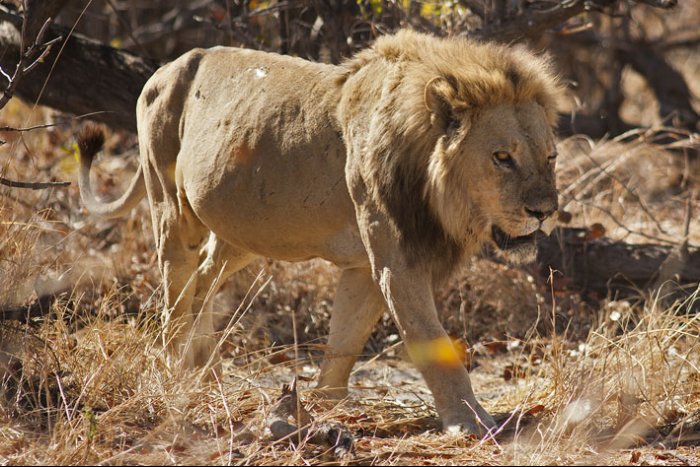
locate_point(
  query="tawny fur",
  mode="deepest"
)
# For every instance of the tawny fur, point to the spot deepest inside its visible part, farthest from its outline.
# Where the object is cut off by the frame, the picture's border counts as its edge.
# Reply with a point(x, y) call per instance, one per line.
point(383, 165)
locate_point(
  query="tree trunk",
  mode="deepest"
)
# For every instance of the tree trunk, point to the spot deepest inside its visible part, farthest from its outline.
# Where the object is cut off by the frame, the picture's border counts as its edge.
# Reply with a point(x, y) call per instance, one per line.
point(87, 77)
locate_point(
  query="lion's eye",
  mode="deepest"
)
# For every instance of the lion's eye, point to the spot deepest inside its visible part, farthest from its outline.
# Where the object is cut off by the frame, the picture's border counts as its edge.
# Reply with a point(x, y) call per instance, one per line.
point(552, 159)
point(503, 159)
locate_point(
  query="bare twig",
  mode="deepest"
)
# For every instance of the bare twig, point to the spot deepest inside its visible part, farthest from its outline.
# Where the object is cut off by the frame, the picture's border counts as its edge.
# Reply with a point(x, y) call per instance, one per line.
point(94, 75)
point(31, 185)
point(533, 21)
point(589, 180)
point(622, 225)
point(537, 16)
point(29, 128)
point(50, 125)
point(659, 3)
point(127, 28)
point(288, 406)
point(29, 59)
point(60, 52)
point(280, 6)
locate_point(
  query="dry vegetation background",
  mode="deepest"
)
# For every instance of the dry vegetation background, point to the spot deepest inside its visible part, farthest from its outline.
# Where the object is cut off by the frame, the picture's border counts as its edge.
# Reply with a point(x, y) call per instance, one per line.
point(574, 377)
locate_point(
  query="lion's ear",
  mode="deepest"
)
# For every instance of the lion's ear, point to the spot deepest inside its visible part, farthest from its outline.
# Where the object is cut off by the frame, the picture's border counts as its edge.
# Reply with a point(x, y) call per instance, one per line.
point(441, 101)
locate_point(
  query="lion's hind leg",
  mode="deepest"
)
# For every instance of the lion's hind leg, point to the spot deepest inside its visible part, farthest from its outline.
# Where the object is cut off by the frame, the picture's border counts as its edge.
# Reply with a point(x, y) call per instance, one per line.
point(179, 236)
point(192, 276)
point(219, 261)
point(178, 260)
point(357, 307)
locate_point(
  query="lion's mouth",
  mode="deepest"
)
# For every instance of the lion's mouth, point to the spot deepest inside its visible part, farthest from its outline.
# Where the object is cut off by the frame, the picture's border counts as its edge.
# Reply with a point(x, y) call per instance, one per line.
point(505, 242)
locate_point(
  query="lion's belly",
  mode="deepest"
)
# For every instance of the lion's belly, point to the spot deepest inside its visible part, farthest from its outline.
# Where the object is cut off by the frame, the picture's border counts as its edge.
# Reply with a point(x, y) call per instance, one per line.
point(275, 196)
point(261, 160)
point(291, 223)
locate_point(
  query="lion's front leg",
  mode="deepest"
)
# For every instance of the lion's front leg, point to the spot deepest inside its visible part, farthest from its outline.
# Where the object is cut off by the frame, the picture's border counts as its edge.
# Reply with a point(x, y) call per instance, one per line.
point(407, 290)
point(410, 300)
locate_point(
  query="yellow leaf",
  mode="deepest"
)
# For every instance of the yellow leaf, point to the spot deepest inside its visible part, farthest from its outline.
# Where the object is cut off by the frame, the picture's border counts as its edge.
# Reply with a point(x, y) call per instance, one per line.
point(69, 163)
point(429, 9)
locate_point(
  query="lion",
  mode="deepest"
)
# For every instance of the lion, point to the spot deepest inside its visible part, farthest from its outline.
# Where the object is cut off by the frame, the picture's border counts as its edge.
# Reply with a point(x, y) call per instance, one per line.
point(395, 165)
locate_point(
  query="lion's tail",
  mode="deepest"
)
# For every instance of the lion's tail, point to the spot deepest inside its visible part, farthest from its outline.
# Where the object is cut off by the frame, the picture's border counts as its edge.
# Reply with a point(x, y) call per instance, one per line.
point(90, 142)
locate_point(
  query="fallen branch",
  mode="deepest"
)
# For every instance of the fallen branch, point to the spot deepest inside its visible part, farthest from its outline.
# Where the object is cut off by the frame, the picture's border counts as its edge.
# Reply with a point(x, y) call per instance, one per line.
point(26, 314)
point(607, 266)
point(304, 428)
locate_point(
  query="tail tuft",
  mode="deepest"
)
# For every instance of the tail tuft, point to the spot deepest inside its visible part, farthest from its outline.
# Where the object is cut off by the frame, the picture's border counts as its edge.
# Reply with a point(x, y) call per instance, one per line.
point(90, 142)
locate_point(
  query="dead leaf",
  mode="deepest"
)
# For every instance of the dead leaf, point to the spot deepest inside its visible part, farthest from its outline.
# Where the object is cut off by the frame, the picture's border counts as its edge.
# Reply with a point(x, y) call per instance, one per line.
point(535, 409)
point(595, 232)
point(634, 458)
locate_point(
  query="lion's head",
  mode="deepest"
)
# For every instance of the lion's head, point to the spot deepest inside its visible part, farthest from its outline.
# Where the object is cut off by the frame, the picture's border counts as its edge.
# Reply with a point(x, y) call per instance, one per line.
point(461, 148)
point(498, 163)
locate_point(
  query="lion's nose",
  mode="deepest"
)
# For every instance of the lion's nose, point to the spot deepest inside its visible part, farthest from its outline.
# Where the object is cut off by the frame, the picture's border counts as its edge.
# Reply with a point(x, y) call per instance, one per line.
point(540, 215)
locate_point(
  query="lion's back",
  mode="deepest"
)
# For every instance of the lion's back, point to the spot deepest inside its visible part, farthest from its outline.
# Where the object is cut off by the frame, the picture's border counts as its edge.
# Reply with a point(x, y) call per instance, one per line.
point(255, 146)
point(223, 78)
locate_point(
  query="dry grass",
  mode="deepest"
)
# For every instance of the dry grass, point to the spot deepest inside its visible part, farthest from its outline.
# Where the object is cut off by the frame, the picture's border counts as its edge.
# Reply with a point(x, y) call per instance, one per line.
point(614, 382)
point(100, 391)
point(635, 188)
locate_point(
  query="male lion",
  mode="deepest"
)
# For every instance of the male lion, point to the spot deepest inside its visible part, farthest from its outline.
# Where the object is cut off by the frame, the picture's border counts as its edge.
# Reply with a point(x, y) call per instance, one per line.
point(394, 166)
